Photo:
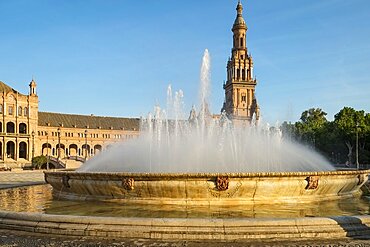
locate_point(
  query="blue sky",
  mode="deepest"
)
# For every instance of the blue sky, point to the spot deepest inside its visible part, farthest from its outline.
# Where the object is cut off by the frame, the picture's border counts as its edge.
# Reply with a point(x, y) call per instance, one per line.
point(116, 58)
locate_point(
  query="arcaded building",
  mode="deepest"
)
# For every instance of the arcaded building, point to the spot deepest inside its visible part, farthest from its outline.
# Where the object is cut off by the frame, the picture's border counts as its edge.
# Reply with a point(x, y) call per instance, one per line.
point(27, 133)
point(19, 116)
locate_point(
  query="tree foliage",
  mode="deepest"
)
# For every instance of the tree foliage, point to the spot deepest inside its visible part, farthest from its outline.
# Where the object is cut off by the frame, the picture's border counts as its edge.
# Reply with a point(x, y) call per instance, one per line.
point(38, 161)
point(335, 139)
point(310, 126)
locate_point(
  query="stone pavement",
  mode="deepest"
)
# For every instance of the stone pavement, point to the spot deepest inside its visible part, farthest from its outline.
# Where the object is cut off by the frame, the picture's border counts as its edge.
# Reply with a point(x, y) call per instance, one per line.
point(20, 178)
point(23, 239)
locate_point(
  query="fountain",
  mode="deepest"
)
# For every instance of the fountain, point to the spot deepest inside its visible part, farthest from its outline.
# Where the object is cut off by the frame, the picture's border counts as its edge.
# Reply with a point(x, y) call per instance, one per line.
point(208, 169)
point(206, 164)
point(205, 161)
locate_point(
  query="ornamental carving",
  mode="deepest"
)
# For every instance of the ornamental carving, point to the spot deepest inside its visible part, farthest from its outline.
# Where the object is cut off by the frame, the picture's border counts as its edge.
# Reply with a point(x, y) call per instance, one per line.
point(361, 179)
point(222, 183)
point(65, 181)
point(128, 183)
point(313, 182)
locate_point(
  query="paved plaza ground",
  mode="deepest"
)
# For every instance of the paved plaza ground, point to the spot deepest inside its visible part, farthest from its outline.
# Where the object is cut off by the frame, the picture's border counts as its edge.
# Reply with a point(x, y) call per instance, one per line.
point(24, 239)
point(20, 178)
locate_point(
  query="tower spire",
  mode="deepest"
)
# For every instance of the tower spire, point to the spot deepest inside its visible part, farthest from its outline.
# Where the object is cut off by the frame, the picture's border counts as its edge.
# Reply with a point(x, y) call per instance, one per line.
point(32, 86)
point(240, 102)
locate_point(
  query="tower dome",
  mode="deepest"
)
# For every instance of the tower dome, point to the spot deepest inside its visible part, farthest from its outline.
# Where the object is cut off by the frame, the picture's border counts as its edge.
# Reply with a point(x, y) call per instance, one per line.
point(239, 20)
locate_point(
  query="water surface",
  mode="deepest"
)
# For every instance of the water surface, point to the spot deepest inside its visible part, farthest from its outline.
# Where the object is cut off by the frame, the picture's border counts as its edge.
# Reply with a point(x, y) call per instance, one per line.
point(39, 199)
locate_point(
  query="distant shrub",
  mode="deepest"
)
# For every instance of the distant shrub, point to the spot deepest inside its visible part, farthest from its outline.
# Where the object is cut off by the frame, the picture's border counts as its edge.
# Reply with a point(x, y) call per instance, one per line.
point(38, 161)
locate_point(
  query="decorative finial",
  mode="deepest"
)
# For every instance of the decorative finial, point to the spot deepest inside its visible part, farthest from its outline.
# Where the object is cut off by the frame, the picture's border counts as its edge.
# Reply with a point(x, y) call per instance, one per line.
point(239, 8)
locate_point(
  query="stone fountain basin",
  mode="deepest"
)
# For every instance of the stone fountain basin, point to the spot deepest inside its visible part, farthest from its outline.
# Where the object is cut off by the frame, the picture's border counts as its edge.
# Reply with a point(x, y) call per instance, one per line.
point(207, 188)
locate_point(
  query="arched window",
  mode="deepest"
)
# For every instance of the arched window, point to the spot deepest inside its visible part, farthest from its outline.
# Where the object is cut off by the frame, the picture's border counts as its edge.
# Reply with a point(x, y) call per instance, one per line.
point(10, 110)
point(20, 110)
point(241, 42)
point(22, 128)
point(238, 73)
point(10, 127)
point(1, 129)
point(243, 74)
point(244, 97)
point(26, 112)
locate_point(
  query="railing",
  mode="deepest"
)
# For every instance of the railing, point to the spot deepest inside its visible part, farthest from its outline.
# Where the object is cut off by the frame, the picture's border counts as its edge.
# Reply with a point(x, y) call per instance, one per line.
point(56, 160)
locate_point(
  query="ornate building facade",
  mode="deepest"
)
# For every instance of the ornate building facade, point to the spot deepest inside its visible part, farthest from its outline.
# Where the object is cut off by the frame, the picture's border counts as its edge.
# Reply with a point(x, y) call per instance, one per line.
point(240, 102)
point(27, 133)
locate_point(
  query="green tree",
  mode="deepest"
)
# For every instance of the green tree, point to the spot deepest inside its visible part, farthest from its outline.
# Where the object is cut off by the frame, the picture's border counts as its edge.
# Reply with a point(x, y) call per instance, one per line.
point(309, 128)
point(38, 161)
point(347, 122)
point(365, 144)
point(288, 130)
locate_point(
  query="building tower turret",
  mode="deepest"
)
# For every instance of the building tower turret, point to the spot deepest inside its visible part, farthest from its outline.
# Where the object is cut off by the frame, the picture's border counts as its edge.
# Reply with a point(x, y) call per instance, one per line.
point(33, 88)
point(240, 102)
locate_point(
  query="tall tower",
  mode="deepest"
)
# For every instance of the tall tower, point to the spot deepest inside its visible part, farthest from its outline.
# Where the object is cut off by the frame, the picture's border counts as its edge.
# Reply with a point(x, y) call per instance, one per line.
point(240, 102)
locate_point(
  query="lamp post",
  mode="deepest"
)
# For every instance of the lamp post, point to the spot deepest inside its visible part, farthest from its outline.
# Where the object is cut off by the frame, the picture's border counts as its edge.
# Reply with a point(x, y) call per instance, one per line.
point(85, 145)
point(357, 164)
point(58, 144)
point(47, 150)
point(33, 144)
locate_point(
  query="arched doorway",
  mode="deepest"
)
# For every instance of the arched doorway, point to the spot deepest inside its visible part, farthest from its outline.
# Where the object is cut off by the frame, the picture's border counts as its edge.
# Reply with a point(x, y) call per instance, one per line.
point(46, 149)
point(85, 150)
point(73, 150)
point(10, 127)
point(97, 149)
point(23, 150)
point(10, 150)
point(60, 149)
point(22, 128)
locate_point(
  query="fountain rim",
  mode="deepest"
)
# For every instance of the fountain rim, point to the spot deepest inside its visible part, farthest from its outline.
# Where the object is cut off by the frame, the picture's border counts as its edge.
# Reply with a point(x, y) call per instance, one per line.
point(77, 174)
point(252, 229)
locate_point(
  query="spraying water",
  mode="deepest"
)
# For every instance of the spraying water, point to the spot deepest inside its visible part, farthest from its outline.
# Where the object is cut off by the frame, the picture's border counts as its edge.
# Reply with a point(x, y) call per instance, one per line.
point(205, 81)
point(170, 144)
